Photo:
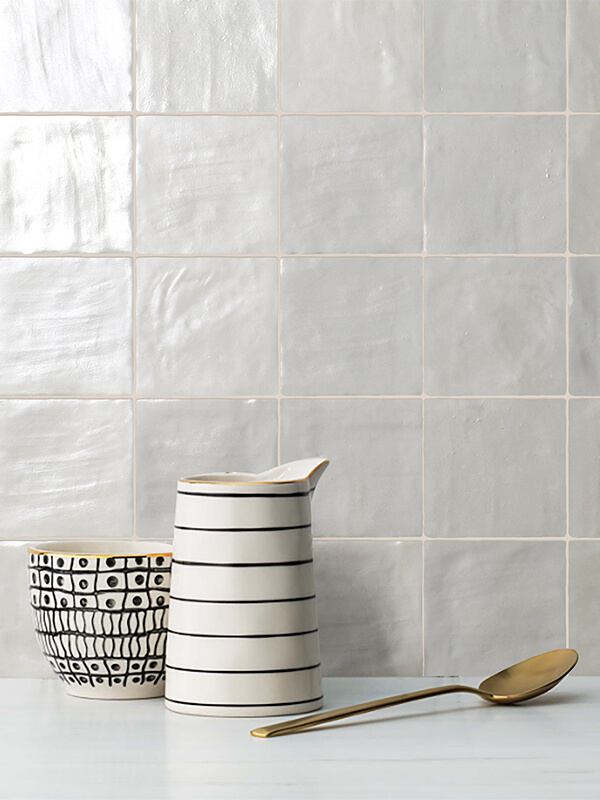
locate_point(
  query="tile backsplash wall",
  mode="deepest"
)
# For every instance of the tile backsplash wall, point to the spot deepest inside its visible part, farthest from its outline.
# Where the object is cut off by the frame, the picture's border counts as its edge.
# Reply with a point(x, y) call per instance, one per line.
point(237, 232)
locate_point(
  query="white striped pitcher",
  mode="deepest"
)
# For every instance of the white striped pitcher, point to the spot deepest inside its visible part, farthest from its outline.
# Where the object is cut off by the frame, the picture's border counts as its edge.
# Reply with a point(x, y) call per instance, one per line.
point(243, 637)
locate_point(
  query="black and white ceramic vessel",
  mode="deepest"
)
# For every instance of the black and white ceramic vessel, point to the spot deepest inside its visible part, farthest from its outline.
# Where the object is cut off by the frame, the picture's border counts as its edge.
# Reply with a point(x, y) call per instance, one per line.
point(100, 613)
point(243, 634)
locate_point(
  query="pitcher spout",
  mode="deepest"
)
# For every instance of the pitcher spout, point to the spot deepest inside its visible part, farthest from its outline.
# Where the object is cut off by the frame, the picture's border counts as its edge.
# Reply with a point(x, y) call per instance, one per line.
point(306, 469)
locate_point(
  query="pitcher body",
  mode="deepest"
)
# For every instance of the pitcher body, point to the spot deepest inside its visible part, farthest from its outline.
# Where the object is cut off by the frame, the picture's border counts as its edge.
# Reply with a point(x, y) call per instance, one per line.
point(243, 634)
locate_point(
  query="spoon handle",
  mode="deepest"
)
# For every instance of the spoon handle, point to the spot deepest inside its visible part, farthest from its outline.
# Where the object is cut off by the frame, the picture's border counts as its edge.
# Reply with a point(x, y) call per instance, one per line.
point(302, 723)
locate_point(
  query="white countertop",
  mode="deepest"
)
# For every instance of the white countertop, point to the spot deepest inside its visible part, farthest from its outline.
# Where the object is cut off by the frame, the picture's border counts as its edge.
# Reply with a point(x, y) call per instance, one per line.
point(54, 747)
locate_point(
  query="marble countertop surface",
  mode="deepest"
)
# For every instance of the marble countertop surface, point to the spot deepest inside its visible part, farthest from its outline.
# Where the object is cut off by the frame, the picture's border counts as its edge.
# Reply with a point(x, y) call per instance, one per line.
point(55, 747)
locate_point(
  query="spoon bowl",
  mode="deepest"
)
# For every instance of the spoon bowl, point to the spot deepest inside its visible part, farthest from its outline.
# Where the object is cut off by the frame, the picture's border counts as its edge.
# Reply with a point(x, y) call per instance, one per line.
point(529, 678)
point(522, 681)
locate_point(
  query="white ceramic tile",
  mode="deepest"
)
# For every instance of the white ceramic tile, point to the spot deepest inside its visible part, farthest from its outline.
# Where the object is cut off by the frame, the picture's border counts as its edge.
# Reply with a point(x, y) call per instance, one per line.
point(347, 55)
point(584, 55)
point(207, 184)
point(490, 604)
point(66, 467)
point(584, 326)
point(495, 184)
point(584, 601)
point(179, 438)
point(495, 55)
point(584, 184)
point(65, 55)
point(206, 326)
point(584, 456)
point(350, 184)
point(372, 487)
point(20, 654)
point(209, 55)
point(494, 326)
point(66, 184)
point(369, 606)
point(351, 326)
point(65, 326)
point(495, 468)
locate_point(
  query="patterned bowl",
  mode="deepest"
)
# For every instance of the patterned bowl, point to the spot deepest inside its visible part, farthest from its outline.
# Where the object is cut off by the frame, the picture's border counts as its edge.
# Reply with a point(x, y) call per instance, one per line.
point(100, 613)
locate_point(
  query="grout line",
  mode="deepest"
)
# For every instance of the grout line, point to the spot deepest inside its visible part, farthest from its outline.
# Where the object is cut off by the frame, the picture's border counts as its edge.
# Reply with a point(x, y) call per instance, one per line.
point(540, 397)
point(279, 262)
point(417, 539)
point(279, 254)
point(568, 388)
point(423, 337)
point(134, 256)
point(136, 113)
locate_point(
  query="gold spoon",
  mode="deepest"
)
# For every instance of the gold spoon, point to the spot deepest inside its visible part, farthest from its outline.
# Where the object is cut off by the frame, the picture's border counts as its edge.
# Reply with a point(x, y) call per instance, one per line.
point(522, 681)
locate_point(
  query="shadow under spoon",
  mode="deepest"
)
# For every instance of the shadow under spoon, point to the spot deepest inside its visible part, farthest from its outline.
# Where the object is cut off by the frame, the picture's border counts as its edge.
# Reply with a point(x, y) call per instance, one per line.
point(522, 681)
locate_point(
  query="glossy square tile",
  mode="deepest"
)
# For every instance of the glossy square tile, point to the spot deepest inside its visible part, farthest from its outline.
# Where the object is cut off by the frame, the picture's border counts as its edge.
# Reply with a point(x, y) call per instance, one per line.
point(67, 468)
point(584, 454)
point(65, 326)
point(20, 654)
point(351, 326)
point(369, 606)
point(179, 438)
point(495, 184)
point(212, 55)
point(345, 55)
point(584, 55)
point(584, 326)
point(66, 185)
point(372, 488)
point(207, 184)
point(494, 326)
point(495, 468)
point(206, 326)
point(584, 602)
point(489, 604)
point(495, 55)
point(584, 184)
point(65, 55)
point(351, 184)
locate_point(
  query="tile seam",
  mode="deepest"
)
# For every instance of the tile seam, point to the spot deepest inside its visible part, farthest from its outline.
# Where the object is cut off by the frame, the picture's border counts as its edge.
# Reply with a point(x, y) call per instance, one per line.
point(276, 113)
point(134, 258)
point(279, 255)
point(567, 373)
point(423, 337)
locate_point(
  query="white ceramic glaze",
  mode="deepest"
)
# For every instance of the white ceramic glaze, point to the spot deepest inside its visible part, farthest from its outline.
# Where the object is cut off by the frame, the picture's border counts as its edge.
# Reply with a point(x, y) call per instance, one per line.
point(100, 613)
point(243, 635)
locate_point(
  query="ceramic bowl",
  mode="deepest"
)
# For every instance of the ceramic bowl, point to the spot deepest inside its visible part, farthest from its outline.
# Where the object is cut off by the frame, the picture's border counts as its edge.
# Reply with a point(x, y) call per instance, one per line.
point(100, 614)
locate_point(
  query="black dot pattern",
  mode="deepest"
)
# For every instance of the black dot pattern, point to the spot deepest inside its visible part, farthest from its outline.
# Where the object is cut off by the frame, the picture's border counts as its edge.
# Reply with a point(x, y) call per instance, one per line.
point(102, 621)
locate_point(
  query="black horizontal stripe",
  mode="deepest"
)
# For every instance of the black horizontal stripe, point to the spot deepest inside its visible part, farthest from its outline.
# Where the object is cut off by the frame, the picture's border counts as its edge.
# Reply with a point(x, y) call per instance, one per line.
point(85, 573)
point(115, 673)
point(242, 636)
point(246, 705)
point(88, 635)
point(243, 602)
point(242, 564)
point(91, 592)
point(97, 610)
point(244, 671)
point(248, 494)
point(243, 530)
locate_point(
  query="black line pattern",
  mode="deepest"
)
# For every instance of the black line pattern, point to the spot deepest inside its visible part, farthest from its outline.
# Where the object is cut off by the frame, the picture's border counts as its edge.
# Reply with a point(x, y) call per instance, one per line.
point(244, 530)
point(246, 705)
point(242, 602)
point(243, 635)
point(244, 671)
point(101, 621)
